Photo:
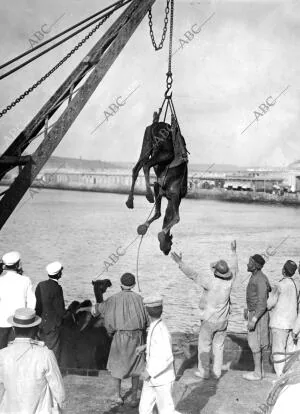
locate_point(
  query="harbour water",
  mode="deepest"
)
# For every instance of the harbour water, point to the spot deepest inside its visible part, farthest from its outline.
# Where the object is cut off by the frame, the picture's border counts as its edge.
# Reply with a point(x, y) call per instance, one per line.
point(85, 230)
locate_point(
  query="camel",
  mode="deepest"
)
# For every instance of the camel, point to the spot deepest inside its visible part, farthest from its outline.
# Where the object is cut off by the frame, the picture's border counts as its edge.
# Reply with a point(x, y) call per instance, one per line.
point(85, 342)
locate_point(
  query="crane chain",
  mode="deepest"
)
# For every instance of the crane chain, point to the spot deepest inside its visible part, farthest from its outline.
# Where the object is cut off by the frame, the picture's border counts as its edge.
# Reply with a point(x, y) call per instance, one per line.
point(165, 28)
point(169, 80)
point(43, 78)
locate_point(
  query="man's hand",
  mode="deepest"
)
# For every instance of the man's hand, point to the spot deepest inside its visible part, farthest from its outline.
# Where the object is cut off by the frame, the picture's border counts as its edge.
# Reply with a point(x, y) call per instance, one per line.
point(145, 375)
point(233, 245)
point(140, 349)
point(251, 325)
point(176, 257)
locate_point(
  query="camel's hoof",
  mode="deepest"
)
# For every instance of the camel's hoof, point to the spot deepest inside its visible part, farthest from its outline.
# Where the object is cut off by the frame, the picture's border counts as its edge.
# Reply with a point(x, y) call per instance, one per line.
point(165, 244)
point(161, 237)
point(142, 229)
point(129, 203)
point(150, 197)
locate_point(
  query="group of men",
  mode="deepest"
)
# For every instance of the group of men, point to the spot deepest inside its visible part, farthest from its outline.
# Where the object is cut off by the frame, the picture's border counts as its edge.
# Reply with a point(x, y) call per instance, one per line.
point(141, 346)
point(269, 310)
point(30, 339)
point(30, 343)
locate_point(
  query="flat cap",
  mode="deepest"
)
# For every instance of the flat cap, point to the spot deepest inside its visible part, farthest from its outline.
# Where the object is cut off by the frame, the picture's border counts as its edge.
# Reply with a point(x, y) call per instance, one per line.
point(153, 301)
point(259, 259)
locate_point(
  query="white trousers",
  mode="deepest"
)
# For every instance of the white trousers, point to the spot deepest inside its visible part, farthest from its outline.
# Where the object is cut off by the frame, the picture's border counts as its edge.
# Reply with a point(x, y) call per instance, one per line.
point(160, 395)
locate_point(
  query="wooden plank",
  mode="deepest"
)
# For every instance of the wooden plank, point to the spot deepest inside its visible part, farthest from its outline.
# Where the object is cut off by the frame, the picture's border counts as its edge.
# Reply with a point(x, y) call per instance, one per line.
point(15, 160)
point(12, 197)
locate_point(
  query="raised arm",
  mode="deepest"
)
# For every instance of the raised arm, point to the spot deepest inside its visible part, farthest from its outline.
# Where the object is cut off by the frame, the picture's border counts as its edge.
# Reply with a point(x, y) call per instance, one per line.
point(188, 271)
point(233, 260)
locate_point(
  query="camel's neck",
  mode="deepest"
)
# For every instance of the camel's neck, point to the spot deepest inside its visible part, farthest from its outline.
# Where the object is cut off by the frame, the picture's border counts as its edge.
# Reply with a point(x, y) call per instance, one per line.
point(99, 297)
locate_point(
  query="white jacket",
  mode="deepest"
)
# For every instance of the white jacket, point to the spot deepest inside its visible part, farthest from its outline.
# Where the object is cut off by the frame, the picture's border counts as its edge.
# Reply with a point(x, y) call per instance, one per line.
point(159, 356)
point(31, 378)
point(215, 301)
point(15, 292)
point(283, 304)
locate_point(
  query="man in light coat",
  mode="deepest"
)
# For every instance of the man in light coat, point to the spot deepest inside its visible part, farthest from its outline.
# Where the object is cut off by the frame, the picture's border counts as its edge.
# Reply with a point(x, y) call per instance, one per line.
point(214, 310)
point(29, 371)
point(159, 374)
point(283, 303)
point(15, 292)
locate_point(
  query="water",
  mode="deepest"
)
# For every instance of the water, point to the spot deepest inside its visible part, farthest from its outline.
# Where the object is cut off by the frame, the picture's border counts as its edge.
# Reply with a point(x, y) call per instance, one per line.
point(83, 229)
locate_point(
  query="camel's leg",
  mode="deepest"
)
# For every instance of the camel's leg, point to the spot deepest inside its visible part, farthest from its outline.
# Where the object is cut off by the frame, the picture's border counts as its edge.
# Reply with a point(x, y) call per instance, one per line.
point(149, 194)
point(142, 229)
point(135, 173)
point(159, 158)
point(172, 213)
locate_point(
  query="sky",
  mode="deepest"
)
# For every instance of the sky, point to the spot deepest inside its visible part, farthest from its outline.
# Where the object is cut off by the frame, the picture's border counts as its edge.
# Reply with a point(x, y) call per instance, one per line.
point(246, 54)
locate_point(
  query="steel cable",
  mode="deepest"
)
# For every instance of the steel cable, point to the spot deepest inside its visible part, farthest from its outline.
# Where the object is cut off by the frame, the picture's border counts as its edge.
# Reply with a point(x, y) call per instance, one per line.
point(61, 34)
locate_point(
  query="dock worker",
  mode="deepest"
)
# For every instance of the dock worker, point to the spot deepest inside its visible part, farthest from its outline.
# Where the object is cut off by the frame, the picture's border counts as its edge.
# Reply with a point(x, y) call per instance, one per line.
point(29, 371)
point(214, 310)
point(50, 306)
point(159, 374)
point(15, 292)
point(126, 320)
point(257, 294)
point(283, 306)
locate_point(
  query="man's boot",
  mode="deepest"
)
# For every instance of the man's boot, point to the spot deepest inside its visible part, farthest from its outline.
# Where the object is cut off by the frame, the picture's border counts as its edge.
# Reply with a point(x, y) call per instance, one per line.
point(256, 375)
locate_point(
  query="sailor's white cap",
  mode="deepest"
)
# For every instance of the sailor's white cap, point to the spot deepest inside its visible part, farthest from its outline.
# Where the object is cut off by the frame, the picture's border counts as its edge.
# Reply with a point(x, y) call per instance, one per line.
point(54, 268)
point(11, 258)
point(153, 301)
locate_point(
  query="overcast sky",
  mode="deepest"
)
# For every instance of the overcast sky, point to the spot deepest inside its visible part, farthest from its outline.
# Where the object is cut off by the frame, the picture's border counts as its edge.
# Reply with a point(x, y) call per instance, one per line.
point(246, 53)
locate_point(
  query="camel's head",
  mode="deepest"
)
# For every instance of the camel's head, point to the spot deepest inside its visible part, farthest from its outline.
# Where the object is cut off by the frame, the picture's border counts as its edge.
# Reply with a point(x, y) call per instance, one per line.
point(100, 287)
point(165, 242)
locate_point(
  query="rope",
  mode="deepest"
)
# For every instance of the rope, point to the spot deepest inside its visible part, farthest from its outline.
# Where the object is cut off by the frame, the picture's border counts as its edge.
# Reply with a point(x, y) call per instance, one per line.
point(41, 80)
point(60, 34)
point(137, 264)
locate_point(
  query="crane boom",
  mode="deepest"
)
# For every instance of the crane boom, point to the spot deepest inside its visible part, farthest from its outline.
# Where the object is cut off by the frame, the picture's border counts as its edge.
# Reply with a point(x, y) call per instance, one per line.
point(97, 61)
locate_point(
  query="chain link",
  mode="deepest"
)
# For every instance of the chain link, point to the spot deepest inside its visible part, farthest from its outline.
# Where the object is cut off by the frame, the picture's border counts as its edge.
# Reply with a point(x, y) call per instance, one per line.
point(169, 80)
point(38, 83)
point(167, 10)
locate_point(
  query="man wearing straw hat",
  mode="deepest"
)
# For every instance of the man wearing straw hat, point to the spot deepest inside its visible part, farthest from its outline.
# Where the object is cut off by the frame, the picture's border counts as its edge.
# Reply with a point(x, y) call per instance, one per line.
point(29, 371)
point(15, 292)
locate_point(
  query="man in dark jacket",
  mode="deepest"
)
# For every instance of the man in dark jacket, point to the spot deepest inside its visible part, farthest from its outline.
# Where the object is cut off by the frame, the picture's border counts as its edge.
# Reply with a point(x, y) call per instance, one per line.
point(50, 306)
point(258, 317)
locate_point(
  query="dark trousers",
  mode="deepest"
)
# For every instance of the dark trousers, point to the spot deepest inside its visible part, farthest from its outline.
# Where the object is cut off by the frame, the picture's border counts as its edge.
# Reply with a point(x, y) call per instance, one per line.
point(52, 341)
point(6, 335)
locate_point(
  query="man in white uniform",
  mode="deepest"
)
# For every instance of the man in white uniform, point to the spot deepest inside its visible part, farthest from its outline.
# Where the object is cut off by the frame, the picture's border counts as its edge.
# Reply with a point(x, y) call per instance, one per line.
point(15, 292)
point(29, 371)
point(159, 375)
